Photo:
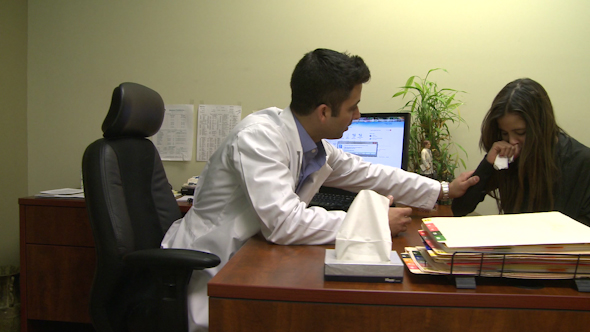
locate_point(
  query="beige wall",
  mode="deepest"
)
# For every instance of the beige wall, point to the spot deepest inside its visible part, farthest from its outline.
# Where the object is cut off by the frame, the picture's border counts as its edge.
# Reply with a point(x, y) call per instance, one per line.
point(13, 124)
point(242, 52)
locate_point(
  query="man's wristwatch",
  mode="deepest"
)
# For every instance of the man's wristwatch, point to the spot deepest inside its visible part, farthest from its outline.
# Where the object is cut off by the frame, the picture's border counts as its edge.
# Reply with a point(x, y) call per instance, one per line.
point(445, 190)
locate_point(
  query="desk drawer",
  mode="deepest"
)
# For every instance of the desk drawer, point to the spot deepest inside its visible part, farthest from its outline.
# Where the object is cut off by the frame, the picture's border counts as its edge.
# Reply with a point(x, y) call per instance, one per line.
point(67, 226)
point(59, 279)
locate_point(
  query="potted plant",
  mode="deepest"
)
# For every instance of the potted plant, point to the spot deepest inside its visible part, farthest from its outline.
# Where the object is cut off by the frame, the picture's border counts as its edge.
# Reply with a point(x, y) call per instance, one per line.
point(432, 110)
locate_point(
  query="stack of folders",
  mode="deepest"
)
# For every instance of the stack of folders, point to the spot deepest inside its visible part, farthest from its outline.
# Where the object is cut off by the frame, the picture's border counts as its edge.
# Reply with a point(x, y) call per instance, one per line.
point(544, 245)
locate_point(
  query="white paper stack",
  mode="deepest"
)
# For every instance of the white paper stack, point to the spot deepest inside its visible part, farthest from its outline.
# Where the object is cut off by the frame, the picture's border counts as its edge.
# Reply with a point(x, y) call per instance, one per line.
point(62, 193)
point(543, 245)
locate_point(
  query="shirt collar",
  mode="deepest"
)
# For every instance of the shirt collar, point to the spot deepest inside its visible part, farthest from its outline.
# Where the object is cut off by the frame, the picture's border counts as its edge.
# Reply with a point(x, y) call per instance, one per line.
point(307, 144)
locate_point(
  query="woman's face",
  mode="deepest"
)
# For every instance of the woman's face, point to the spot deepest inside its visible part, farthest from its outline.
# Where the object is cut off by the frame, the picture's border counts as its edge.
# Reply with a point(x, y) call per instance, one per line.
point(513, 129)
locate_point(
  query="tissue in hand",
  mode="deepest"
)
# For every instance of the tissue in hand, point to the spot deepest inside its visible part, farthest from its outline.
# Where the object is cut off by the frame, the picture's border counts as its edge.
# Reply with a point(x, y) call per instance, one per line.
point(363, 244)
point(502, 162)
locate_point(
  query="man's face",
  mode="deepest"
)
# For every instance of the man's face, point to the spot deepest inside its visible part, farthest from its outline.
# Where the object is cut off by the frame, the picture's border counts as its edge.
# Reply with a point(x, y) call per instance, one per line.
point(349, 110)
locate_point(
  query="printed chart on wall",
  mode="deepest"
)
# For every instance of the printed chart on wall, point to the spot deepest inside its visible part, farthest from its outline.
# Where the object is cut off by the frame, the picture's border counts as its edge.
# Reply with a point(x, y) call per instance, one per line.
point(174, 140)
point(213, 125)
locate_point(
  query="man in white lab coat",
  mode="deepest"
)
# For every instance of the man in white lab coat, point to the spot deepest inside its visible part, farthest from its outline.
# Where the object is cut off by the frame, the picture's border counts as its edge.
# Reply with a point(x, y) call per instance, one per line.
point(272, 163)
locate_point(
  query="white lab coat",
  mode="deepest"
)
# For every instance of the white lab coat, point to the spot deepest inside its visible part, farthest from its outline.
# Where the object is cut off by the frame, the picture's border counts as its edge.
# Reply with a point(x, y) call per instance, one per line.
point(248, 186)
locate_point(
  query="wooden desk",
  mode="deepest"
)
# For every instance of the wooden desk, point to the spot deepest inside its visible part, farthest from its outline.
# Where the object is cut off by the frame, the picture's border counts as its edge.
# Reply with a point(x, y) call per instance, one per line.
point(267, 287)
point(57, 263)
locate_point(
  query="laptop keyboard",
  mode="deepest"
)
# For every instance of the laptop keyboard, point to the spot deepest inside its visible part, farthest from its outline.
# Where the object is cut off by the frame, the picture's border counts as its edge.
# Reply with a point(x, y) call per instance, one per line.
point(332, 201)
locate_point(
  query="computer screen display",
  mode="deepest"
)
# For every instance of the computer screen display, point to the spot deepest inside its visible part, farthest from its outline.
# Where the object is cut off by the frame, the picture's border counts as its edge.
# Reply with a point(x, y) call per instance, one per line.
point(380, 138)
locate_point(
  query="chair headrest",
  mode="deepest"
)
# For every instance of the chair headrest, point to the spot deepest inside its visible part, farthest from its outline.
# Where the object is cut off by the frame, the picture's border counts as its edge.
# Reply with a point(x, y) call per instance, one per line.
point(136, 110)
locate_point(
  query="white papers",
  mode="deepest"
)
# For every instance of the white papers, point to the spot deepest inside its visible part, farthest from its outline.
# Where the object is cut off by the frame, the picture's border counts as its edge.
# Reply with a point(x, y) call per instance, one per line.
point(545, 245)
point(214, 124)
point(62, 193)
point(510, 230)
point(174, 140)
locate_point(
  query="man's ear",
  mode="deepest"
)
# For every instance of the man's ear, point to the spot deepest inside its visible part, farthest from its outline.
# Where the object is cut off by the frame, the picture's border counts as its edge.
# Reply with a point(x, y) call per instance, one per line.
point(323, 112)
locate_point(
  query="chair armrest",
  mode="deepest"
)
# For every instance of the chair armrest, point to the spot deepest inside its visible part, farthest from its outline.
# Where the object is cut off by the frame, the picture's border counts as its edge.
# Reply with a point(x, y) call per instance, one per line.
point(172, 258)
point(170, 271)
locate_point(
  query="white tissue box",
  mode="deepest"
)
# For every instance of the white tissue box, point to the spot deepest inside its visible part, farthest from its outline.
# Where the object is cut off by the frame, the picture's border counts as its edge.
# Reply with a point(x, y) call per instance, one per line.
point(335, 270)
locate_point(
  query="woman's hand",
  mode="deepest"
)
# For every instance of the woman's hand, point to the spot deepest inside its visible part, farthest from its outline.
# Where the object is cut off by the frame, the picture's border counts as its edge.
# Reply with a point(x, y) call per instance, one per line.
point(502, 149)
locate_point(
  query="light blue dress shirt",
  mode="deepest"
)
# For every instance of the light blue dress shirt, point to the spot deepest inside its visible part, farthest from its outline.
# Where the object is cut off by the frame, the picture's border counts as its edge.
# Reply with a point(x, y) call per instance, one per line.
point(314, 155)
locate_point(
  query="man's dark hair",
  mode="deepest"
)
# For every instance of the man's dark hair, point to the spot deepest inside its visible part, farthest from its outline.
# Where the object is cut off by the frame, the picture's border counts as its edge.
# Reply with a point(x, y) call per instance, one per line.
point(325, 77)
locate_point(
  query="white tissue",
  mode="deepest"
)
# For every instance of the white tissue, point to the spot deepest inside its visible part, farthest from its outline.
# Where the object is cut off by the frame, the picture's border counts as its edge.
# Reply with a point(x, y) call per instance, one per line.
point(365, 235)
point(502, 162)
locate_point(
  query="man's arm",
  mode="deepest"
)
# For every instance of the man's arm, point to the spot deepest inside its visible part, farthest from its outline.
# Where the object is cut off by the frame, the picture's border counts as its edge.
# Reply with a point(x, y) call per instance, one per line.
point(262, 158)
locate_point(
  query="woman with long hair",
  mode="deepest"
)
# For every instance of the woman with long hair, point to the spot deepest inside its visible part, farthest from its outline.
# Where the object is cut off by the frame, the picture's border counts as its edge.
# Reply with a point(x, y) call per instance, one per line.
point(549, 170)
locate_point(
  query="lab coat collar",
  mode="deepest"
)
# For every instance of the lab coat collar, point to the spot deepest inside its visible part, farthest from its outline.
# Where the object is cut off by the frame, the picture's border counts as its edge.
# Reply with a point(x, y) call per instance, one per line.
point(293, 141)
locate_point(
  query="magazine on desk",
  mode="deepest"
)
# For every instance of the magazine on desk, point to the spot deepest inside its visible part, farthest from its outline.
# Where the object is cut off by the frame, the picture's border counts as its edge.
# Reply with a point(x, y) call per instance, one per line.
point(547, 245)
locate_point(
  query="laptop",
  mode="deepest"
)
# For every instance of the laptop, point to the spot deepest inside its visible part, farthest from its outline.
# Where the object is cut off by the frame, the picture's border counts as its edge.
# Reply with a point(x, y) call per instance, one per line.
point(380, 138)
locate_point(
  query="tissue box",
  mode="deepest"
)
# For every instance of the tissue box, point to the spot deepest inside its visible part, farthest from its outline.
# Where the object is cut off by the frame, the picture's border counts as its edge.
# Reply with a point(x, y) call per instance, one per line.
point(335, 270)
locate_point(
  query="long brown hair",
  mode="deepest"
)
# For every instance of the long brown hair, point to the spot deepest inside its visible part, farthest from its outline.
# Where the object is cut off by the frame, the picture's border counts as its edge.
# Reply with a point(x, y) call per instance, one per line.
point(536, 173)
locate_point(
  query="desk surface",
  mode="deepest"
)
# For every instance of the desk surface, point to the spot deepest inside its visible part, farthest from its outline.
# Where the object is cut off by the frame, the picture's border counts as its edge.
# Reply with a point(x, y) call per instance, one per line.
point(267, 272)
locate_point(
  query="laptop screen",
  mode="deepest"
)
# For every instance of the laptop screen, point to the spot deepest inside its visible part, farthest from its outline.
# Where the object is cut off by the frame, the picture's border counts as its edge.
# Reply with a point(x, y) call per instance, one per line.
point(380, 138)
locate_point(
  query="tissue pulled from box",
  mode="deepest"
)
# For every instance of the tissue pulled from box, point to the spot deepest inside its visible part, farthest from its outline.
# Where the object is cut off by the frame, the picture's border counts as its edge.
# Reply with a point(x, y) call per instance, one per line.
point(365, 235)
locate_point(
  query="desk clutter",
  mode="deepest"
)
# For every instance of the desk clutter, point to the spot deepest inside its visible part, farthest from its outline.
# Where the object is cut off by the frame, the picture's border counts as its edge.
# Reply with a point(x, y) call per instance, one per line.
point(544, 245)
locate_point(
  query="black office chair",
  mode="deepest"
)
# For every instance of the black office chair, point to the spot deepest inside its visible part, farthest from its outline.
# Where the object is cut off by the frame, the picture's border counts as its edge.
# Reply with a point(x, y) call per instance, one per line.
point(138, 286)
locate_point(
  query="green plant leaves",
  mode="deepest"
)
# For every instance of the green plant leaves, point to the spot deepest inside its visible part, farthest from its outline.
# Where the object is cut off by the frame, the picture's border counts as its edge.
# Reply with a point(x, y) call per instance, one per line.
point(432, 108)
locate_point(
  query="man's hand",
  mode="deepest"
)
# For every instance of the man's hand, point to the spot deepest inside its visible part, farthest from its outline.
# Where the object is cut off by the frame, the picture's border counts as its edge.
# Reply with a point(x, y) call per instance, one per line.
point(459, 186)
point(399, 218)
